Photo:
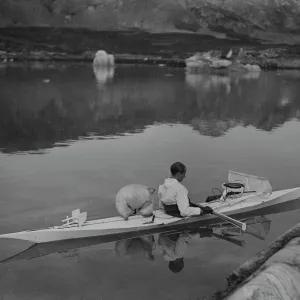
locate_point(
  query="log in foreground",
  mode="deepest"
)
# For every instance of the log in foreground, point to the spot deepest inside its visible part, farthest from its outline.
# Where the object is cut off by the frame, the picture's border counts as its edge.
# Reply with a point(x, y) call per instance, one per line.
point(273, 274)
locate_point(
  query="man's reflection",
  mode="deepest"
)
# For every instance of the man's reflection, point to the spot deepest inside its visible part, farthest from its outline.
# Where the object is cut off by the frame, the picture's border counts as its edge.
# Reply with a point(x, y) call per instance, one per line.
point(173, 246)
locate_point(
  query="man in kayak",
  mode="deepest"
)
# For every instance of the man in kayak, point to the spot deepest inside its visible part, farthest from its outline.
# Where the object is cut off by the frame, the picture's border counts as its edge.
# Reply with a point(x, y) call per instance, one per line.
point(173, 196)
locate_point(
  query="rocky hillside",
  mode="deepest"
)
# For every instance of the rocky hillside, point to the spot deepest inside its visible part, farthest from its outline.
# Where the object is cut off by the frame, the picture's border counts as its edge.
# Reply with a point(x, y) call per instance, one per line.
point(270, 21)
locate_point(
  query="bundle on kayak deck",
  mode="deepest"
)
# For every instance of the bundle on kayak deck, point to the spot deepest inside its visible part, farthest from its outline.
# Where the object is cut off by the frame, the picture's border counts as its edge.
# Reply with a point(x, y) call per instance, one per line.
point(133, 198)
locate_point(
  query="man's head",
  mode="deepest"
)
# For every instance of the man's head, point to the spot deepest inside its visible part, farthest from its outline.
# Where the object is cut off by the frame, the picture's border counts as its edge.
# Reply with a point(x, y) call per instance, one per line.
point(178, 171)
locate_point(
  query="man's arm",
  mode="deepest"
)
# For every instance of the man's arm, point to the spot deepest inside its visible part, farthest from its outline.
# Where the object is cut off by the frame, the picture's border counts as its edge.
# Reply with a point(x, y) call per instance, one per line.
point(184, 205)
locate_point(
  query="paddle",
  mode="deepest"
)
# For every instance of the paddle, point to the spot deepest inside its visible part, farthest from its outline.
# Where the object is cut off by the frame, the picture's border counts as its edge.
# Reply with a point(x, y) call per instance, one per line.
point(232, 221)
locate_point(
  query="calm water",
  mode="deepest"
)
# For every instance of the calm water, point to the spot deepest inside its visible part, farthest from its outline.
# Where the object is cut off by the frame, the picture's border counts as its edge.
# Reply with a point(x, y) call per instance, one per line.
point(71, 137)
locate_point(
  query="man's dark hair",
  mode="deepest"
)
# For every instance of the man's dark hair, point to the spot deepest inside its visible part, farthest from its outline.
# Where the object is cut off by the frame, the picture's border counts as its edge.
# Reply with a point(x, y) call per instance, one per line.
point(178, 167)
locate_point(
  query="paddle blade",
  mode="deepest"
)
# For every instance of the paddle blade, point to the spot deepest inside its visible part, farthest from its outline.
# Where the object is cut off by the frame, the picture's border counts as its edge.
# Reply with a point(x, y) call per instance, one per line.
point(82, 218)
point(257, 233)
point(258, 227)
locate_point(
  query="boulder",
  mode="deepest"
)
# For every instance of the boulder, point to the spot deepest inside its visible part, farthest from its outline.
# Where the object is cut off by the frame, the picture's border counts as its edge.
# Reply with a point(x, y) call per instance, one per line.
point(211, 59)
point(220, 63)
point(252, 68)
point(102, 59)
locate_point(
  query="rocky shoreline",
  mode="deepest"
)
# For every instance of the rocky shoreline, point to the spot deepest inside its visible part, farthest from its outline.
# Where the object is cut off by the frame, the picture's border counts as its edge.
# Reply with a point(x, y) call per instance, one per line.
point(266, 59)
point(45, 56)
point(136, 47)
point(272, 58)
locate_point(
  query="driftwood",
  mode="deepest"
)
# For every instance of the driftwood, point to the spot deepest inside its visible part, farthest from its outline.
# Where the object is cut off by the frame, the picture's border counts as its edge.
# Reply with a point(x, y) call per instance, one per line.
point(271, 266)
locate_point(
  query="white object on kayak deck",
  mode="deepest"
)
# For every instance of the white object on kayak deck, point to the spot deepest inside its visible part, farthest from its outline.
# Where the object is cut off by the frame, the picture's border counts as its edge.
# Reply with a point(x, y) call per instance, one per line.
point(135, 197)
point(77, 218)
point(251, 182)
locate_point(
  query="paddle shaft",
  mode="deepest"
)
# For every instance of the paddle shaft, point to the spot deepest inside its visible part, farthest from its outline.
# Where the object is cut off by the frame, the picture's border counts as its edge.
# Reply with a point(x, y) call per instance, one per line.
point(235, 222)
point(232, 221)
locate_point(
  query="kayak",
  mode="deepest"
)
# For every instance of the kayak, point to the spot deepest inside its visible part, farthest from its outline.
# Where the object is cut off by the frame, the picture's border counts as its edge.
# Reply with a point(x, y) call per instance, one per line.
point(249, 202)
point(260, 228)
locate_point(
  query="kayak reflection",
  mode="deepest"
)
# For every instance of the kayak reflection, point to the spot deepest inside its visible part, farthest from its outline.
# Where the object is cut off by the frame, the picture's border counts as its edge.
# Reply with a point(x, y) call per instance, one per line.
point(173, 245)
point(170, 245)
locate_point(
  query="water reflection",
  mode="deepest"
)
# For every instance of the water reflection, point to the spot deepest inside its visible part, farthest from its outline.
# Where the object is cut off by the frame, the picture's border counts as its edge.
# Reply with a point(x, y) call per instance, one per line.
point(103, 75)
point(260, 100)
point(169, 246)
point(174, 245)
point(136, 249)
point(45, 105)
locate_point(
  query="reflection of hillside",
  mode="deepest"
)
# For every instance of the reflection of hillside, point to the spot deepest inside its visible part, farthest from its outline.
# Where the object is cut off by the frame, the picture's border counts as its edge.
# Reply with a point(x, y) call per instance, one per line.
point(264, 101)
point(214, 128)
point(76, 101)
point(217, 83)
